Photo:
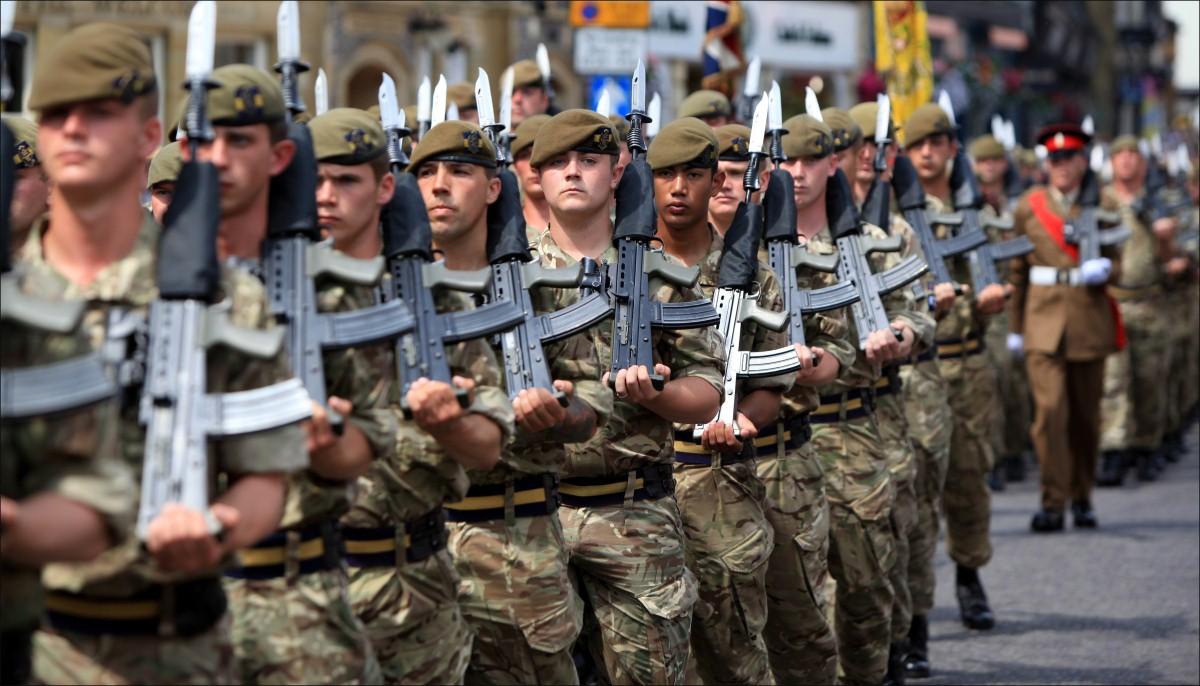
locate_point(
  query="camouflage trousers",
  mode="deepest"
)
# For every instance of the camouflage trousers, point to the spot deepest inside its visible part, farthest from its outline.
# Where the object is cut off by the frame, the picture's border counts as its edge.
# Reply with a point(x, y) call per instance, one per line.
point(800, 641)
point(630, 562)
point(61, 657)
point(1133, 411)
point(966, 500)
point(298, 629)
point(1183, 334)
point(901, 458)
point(728, 542)
point(930, 423)
point(412, 617)
point(861, 549)
point(517, 597)
point(1010, 428)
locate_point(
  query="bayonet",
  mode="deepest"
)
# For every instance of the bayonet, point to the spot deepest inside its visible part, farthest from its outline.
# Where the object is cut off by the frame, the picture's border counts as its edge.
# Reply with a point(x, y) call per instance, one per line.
point(877, 205)
point(943, 102)
point(437, 114)
point(775, 124)
point(424, 107)
point(811, 107)
point(543, 64)
point(392, 119)
point(287, 23)
point(321, 93)
point(638, 116)
point(750, 90)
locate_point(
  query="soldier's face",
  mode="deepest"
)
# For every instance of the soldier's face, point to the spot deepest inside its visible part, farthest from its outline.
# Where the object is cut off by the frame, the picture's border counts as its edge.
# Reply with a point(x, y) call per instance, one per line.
point(160, 199)
point(931, 155)
point(1126, 165)
point(729, 189)
point(456, 195)
point(90, 146)
point(1066, 172)
point(245, 159)
point(349, 198)
point(991, 171)
point(681, 195)
point(30, 195)
point(716, 120)
point(579, 183)
point(528, 101)
point(531, 185)
point(847, 160)
point(809, 178)
point(471, 115)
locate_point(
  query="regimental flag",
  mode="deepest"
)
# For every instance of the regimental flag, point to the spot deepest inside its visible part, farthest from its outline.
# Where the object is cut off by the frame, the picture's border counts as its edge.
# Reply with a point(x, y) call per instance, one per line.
point(723, 45)
point(902, 55)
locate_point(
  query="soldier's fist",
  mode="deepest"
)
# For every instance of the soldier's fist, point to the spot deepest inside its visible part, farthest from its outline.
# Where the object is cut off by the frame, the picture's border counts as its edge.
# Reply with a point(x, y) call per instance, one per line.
point(182, 539)
point(537, 409)
point(434, 404)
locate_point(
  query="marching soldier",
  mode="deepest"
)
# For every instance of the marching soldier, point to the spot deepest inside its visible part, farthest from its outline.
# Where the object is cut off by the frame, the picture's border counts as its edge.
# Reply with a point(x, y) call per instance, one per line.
point(533, 200)
point(160, 180)
point(354, 182)
point(531, 93)
point(847, 138)
point(1062, 318)
point(31, 190)
point(153, 614)
point(733, 156)
point(462, 96)
point(711, 107)
point(505, 535)
point(622, 525)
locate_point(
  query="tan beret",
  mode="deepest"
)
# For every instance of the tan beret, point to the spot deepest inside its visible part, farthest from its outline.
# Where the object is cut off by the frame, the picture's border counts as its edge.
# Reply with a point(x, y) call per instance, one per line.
point(245, 95)
point(1122, 143)
point(347, 135)
point(25, 135)
point(1027, 157)
point(526, 133)
point(807, 138)
point(706, 103)
point(620, 126)
point(165, 166)
point(733, 143)
point(462, 94)
point(687, 141)
point(846, 132)
point(92, 62)
point(925, 121)
point(986, 147)
point(454, 141)
point(864, 114)
point(582, 130)
point(526, 73)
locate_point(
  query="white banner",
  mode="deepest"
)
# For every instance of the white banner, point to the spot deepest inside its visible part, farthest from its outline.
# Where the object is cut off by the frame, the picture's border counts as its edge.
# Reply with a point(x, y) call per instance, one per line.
point(609, 51)
point(677, 29)
point(804, 35)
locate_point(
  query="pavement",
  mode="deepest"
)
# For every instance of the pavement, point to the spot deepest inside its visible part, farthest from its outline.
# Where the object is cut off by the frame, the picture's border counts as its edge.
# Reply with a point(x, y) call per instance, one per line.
point(1115, 605)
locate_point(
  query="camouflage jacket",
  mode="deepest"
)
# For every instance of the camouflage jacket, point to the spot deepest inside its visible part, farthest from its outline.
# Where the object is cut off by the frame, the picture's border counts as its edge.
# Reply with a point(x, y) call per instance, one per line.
point(1141, 266)
point(129, 284)
point(634, 436)
point(963, 320)
point(417, 476)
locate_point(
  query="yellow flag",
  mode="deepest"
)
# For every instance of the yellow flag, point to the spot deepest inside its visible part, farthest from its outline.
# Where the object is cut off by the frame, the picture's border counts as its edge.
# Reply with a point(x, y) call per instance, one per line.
point(902, 55)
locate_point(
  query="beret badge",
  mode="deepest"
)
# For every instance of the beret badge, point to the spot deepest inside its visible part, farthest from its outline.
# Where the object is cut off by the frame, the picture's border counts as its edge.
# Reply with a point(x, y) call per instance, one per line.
point(23, 156)
point(740, 146)
point(473, 142)
point(248, 101)
point(603, 138)
point(359, 141)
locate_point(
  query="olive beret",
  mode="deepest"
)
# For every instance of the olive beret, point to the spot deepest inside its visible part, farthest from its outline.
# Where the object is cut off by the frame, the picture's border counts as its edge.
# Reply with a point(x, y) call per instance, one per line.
point(582, 130)
point(620, 126)
point(733, 143)
point(687, 141)
point(864, 114)
point(925, 121)
point(526, 73)
point(986, 147)
point(1122, 143)
point(846, 132)
point(165, 165)
point(1027, 157)
point(526, 133)
point(706, 103)
point(245, 95)
point(807, 137)
point(92, 62)
point(462, 94)
point(454, 141)
point(25, 135)
point(347, 135)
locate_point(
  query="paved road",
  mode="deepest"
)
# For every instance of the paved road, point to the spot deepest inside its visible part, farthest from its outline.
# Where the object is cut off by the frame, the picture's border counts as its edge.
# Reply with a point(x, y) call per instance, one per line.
point(1119, 605)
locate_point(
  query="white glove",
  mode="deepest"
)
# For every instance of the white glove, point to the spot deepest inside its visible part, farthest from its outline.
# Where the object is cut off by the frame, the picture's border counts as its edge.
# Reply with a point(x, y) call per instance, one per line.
point(1095, 272)
point(1016, 345)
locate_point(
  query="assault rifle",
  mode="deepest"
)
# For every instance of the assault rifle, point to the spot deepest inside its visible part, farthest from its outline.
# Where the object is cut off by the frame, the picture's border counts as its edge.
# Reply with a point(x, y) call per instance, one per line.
point(1084, 231)
point(179, 415)
point(911, 198)
point(876, 208)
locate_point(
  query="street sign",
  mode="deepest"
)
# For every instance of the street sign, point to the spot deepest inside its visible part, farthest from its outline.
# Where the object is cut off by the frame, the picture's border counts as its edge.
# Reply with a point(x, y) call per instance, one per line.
point(609, 51)
point(619, 89)
point(677, 29)
point(617, 15)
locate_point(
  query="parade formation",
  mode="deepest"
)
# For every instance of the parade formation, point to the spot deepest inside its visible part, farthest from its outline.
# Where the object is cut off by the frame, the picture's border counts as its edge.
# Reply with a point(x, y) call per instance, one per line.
point(478, 390)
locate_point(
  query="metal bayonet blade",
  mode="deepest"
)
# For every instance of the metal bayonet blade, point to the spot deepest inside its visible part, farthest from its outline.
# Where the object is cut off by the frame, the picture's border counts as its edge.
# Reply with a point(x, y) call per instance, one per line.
point(452, 112)
point(758, 131)
point(604, 104)
point(423, 97)
point(774, 108)
point(753, 72)
point(1088, 125)
point(1097, 159)
point(883, 117)
point(287, 30)
point(8, 14)
point(998, 128)
point(947, 106)
point(506, 89)
point(437, 113)
point(654, 112)
point(638, 88)
point(321, 93)
point(202, 35)
point(811, 107)
point(390, 114)
point(483, 99)
point(543, 62)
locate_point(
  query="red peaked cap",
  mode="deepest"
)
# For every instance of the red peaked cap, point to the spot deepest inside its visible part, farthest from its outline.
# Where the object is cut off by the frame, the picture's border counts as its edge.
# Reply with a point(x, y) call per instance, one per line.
point(1058, 137)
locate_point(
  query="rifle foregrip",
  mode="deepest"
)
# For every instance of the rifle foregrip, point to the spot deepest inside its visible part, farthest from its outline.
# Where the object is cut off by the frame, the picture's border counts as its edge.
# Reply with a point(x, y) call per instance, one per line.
point(323, 260)
point(374, 324)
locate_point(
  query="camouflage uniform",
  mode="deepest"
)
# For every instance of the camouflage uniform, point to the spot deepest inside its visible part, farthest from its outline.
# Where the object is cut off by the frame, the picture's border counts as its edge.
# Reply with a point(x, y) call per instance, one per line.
point(629, 550)
point(410, 606)
point(292, 619)
point(727, 536)
point(72, 455)
point(800, 640)
point(509, 548)
point(83, 642)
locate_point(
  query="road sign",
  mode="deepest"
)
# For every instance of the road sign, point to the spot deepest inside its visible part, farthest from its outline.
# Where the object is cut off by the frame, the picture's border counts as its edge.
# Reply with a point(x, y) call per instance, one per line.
point(609, 51)
point(617, 15)
point(619, 88)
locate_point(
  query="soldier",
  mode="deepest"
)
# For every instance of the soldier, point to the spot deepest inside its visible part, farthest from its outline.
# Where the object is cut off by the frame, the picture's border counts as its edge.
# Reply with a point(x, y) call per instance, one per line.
point(711, 107)
point(847, 139)
point(537, 211)
point(721, 500)
point(462, 96)
point(354, 182)
point(31, 191)
point(160, 180)
point(153, 614)
point(733, 155)
point(623, 529)
point(1062, 318)
point(530, 94)
point(929, 142)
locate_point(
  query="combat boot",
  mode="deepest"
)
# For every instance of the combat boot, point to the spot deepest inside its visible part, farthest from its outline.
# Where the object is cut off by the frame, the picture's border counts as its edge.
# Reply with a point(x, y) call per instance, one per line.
point(897, 659)
point(972, 601)
point(996, 479)
point(1113, 465)
point(1014, 468)
point(1172, 446)
point(1046, 521)
point(1147, 468)
point(916, 665)
point(1084, 515)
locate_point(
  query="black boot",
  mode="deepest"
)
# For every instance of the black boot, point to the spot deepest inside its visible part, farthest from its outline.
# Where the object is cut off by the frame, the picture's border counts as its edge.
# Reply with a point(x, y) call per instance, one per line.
point(1014, 468)
point(1084, 515)
point(996, 479)
point(972, 601)
point(1172, 446)
point(1113, 465)
point(897, 656)
point(1147, 470)
point(916, 665)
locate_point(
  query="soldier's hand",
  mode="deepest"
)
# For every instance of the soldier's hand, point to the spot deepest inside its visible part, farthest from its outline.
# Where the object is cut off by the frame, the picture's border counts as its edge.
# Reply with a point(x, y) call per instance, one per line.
point(9, 511)
point(810, 358)
point(538, 410)
point(944, 295)
point(882, 346)
point(434, 404)
point(319, 433)
point(991, 300)
point(1177, 266)
point(634, 385)
point(1164, 228)
point(180, 540)
point(720, 437)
